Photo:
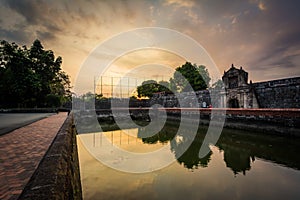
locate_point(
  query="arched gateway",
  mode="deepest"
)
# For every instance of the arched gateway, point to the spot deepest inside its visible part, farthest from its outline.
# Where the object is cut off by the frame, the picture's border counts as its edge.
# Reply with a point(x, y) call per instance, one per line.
point(233, 103)
point(239, 93)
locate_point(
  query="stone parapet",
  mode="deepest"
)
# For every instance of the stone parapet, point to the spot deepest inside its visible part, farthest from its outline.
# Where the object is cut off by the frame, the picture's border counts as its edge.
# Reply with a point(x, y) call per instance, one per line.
point(282, 93)
point(57, 176)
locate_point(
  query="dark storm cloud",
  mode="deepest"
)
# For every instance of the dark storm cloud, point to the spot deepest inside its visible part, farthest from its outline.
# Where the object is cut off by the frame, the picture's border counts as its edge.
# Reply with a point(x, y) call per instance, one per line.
point(282, 32)
point(271, 25)
point(260, 34)
point(45, 35)
point(13, 35)
point(35, 13)
point(278, 52)
point(29, 9)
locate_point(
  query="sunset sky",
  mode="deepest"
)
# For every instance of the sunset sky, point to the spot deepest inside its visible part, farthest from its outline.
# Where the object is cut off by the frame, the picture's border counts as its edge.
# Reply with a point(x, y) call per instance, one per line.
point(263, 36)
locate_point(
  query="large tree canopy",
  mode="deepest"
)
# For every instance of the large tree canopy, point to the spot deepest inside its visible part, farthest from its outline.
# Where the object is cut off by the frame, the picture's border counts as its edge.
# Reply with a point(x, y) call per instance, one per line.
point(149, 87)
point(186, 78)
point(195, 76)
point(31, 77)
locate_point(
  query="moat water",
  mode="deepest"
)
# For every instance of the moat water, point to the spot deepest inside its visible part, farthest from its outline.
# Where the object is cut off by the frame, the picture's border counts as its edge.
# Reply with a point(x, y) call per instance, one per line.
point(241, 165)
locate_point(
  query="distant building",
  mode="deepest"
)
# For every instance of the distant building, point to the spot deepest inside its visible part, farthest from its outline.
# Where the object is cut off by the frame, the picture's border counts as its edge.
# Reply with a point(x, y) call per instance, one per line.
point(239, 94)
point(280, 93)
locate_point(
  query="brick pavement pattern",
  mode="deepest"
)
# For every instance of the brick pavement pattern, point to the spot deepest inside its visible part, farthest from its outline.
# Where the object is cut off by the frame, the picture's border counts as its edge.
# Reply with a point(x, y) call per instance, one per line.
point(21, 152)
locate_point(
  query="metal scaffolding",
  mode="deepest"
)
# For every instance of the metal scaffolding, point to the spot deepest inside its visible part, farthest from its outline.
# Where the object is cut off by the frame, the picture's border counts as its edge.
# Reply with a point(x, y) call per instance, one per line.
point(120, 87)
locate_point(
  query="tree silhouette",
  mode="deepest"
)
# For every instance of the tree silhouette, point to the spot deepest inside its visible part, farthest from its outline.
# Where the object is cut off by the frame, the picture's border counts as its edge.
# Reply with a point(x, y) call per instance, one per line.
point(149, 87)
point(196, 76)
point(31, 77)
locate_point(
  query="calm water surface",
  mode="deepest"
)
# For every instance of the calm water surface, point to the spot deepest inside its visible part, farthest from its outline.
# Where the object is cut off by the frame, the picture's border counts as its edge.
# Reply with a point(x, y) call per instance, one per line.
point(239, 166)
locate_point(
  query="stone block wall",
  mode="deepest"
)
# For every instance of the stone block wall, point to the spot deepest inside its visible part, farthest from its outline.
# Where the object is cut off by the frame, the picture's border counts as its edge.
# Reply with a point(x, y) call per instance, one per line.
point(285, 122)
point(58, 174)
point(283, 93)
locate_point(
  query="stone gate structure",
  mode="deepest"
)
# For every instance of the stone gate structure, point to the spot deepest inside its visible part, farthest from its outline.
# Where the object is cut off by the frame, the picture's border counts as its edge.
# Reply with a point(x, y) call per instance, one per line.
point(239, 94)
point(281, 93)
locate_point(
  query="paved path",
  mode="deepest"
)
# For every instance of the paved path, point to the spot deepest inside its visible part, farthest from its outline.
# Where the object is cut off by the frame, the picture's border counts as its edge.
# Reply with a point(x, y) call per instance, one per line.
point(12, 121)
point(21, 151)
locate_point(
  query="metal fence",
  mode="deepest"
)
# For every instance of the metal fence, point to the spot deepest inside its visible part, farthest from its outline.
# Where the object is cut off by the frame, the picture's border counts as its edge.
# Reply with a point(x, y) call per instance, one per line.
point(120, 87)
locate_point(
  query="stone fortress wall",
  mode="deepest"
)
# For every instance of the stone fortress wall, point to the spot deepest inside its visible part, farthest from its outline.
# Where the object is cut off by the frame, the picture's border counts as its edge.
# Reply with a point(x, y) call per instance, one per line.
point(282, 93)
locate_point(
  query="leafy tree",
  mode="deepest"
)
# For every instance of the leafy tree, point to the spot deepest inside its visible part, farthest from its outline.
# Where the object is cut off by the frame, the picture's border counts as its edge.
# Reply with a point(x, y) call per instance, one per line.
point(53, 100)
point(163, 86)
point(46, 67)
point(218, 84)
point(18, 81)
point(60, 86)
point(149, 87)
point(31, 77)
point(197, 76)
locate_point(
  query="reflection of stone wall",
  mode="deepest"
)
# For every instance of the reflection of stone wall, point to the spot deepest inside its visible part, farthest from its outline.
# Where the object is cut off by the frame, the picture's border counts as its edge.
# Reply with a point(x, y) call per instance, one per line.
point(284, 122)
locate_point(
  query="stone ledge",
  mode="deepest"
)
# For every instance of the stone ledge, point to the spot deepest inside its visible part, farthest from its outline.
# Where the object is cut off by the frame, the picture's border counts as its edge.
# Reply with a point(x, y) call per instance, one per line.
point(57, 176)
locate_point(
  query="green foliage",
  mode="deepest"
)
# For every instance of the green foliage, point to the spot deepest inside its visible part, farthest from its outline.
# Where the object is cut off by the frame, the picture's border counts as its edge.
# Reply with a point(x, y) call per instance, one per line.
point(53, 100)
point(186, 78)
point(218, 84)
point(31, 77)
point(195, 76)
point(149, 87)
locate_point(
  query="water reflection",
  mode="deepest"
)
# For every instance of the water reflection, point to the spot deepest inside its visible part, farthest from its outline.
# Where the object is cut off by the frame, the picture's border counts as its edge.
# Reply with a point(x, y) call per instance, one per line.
point(126, 139)
point(237, 159)
point(240, 149)
point(239, 166)
point(189, 158)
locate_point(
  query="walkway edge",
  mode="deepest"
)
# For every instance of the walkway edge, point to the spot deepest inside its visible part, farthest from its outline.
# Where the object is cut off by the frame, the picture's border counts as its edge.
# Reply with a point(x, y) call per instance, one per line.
point(20, 125)
point(57, 175)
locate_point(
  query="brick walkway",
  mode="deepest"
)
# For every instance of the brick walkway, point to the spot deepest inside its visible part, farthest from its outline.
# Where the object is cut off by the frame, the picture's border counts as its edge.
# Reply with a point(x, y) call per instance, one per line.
point(21, 151)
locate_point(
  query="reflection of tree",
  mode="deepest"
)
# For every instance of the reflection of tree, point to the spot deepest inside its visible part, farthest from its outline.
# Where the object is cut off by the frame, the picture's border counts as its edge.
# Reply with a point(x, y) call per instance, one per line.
point(240, 148)
point(163, 136)
point(237, 158)
point(190, 158)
